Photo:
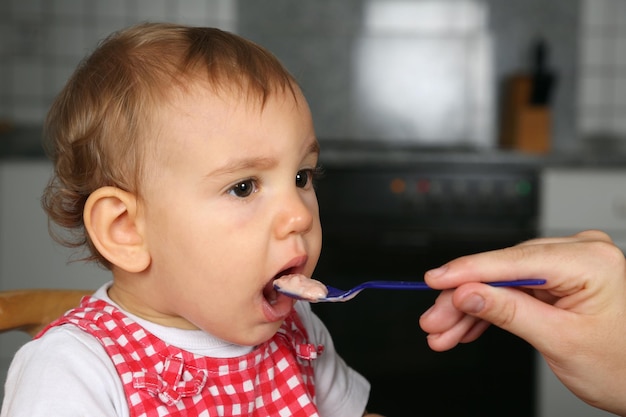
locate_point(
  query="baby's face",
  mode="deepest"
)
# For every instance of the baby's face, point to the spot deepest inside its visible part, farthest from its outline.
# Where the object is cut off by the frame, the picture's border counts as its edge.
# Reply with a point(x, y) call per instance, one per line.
point(229, 207)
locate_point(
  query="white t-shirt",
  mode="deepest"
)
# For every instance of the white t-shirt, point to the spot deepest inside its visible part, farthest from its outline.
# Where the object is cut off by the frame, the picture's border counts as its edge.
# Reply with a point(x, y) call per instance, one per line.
point(68, 373)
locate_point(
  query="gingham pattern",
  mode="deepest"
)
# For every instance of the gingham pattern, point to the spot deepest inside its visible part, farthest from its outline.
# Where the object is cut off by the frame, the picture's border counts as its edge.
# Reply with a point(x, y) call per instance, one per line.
point(275, 379)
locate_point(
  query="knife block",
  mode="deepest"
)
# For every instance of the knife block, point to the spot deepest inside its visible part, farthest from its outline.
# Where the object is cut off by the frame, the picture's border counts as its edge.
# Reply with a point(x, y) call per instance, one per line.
point(525, 127)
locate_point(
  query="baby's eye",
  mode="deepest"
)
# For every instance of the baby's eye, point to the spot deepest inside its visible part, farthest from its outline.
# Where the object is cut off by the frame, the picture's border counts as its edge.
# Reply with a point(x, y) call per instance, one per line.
point(306, 177)
point(243, 189)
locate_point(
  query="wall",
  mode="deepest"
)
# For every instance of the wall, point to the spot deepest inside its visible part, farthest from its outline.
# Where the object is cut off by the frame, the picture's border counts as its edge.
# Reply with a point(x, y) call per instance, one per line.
point(602, 101)
point(316, 40)
point(41, 41)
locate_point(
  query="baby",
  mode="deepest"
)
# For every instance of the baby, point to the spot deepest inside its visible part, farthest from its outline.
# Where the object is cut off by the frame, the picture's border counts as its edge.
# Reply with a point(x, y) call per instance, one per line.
point(184, 161)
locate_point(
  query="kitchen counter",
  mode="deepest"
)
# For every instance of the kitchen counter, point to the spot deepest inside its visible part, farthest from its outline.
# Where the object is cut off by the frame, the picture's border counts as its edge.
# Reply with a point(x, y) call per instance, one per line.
point(25, 142)
point(353, 152)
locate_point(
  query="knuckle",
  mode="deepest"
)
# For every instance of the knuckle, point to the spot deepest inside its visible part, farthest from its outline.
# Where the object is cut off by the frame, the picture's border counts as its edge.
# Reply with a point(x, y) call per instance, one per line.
point(502, 315)
point(610, 254)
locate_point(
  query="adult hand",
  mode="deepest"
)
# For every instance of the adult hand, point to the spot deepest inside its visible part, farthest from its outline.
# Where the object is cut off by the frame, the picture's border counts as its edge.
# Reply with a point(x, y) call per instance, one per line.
point(577, 320)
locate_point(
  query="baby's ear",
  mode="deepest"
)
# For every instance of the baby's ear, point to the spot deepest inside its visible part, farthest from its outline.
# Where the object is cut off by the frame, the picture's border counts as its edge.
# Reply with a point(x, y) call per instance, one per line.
point(115, 227)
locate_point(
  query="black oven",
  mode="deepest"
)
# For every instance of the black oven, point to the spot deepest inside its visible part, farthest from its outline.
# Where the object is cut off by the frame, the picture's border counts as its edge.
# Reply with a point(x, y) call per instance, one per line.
point(393, 214)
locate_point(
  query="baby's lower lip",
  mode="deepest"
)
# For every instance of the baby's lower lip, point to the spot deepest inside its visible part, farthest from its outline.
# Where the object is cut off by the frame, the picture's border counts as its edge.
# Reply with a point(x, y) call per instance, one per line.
point(278, 307)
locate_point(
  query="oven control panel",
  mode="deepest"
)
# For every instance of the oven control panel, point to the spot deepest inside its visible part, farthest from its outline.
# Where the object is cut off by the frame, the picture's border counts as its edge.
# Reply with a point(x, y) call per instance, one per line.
point(443, 198)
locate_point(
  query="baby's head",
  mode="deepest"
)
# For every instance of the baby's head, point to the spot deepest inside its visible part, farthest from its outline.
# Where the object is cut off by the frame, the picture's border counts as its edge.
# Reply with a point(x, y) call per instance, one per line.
point(184, 160)
point(100, 129)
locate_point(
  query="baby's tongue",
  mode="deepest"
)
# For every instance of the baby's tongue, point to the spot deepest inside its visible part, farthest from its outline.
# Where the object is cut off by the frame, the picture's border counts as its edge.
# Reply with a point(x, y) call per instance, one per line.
point(270, 294)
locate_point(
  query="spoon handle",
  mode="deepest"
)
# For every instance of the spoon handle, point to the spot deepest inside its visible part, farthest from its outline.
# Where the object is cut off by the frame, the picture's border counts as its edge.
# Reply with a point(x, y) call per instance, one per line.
point(420, 285)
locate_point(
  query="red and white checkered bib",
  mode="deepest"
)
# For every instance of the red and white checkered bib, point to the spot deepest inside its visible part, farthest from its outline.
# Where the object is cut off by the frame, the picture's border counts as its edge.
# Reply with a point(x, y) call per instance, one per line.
point(275, 379)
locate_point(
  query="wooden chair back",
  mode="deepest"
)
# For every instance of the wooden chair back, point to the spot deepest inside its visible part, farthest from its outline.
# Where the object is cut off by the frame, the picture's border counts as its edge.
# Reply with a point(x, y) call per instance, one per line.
point(30, 310)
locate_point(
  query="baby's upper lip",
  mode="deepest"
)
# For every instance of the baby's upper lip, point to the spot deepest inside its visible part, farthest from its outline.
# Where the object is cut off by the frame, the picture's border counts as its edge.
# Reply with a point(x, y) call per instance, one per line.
point(294, 266)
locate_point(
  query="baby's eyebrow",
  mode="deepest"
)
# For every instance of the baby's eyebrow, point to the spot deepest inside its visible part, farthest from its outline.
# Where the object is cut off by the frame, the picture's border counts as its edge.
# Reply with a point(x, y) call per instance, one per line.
point(255, 162)
point(315, 147)
point(242, 164)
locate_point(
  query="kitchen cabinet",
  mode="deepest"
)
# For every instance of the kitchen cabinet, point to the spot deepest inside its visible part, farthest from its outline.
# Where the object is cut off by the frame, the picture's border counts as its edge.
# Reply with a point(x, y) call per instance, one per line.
point(28, 256)
point(571, 200)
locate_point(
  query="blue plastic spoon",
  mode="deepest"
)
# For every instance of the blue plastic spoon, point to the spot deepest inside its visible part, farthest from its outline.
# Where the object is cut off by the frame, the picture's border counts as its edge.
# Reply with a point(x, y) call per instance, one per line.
point(337, 295)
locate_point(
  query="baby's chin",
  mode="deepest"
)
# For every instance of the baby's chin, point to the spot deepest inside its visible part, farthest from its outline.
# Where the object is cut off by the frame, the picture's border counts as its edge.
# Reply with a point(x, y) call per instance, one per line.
point(263, 328)
point(257, 336)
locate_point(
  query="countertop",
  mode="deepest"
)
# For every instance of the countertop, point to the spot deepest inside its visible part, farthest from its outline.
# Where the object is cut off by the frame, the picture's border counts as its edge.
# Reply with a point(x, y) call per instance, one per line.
point(352, 152)
point(25, 142)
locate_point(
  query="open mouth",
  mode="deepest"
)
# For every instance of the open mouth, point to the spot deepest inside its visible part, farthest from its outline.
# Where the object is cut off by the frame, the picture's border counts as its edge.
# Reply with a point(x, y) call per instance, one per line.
point(270, 294)
point(277, 306)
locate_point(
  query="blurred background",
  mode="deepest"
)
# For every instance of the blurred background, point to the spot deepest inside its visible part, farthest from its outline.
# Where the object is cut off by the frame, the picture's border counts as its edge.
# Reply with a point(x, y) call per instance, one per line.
point(441, 55)
point(495, 120)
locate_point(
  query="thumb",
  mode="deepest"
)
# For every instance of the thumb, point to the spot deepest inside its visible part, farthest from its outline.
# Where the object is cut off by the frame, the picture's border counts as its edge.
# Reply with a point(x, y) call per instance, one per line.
point(511, 309)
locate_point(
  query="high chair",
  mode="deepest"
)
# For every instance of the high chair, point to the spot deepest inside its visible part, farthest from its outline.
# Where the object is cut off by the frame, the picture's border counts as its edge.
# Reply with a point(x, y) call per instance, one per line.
point(30, 310)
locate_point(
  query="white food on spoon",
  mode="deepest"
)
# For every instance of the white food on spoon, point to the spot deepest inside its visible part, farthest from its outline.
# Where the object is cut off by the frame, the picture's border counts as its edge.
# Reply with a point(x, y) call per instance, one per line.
point(306, 288)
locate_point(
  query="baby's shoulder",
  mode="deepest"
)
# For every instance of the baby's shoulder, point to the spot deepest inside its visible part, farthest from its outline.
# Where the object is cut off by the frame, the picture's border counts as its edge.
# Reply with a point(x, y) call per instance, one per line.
point(65, 344)
point(63, 364)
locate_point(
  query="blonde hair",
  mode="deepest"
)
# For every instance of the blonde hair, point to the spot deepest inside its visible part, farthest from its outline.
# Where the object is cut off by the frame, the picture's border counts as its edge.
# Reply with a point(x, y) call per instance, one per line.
point(97, 128)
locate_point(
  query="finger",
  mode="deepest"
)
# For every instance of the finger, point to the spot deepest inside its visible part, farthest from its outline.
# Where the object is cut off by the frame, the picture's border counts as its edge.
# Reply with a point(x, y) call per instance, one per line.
point(557, 261)
point(476, 331)
point(512, 310)
point(442, 316)
point(448, 339)
point(584, 236)
point(447, 326)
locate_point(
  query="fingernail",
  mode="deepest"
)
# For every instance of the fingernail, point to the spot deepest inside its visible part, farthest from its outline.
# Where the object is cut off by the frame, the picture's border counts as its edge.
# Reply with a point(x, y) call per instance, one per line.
point(473, 304)
point(437, 272)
